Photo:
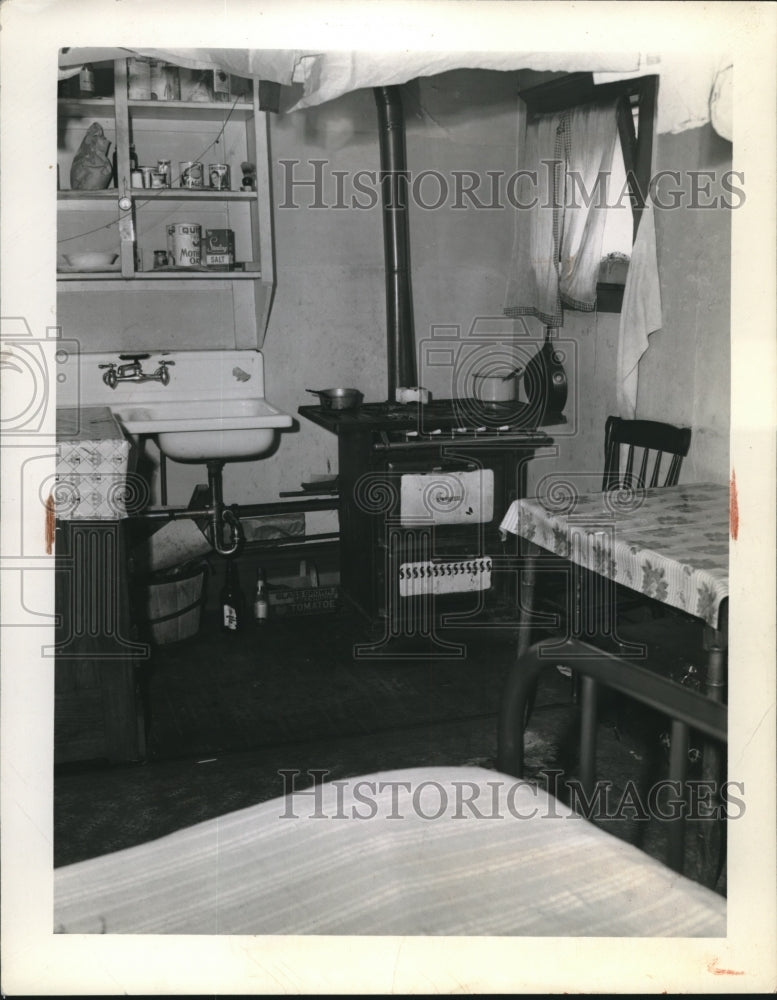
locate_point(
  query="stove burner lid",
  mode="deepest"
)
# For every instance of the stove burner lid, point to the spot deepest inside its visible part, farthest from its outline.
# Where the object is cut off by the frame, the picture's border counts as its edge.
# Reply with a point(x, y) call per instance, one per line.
point(462, 415)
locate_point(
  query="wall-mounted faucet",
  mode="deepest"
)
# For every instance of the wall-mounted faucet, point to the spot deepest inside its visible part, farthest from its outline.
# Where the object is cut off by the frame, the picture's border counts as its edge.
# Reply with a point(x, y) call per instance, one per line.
point(133, 371)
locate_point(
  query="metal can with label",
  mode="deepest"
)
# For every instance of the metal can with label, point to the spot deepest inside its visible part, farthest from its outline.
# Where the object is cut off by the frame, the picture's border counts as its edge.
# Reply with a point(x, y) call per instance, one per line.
point(163, 166)
point(190, 173)
point(184, 244)
point(218, 173)
point(160, 258)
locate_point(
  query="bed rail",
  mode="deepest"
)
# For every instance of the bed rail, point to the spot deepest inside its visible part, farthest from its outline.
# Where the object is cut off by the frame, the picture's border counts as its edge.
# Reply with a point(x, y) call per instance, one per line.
point(687, 709)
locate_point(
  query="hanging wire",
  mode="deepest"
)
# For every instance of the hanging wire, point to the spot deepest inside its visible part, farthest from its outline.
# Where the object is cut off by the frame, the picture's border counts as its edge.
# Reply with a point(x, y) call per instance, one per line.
point(147, 200)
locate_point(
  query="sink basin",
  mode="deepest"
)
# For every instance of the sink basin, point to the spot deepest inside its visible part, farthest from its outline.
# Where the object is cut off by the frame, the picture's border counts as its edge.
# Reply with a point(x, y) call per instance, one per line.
point(213, 405)
point(197, 430)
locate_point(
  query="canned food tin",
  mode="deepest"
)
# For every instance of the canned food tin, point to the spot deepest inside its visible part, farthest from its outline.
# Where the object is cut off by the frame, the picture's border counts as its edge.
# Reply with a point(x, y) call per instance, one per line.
point(157, 179)
point(136, 179)
point(183, 244)
point(160, 258)
point(191, 174)
point(219, 176)
point(163, 166)
point(146, 172)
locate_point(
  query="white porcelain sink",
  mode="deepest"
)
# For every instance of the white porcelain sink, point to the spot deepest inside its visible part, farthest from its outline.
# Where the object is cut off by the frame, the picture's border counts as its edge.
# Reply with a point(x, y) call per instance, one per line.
point(213, 405)
point(200, 430)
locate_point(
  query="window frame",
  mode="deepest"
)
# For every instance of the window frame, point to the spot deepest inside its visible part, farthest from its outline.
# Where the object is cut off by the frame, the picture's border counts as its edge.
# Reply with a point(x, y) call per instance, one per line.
point(636, 145)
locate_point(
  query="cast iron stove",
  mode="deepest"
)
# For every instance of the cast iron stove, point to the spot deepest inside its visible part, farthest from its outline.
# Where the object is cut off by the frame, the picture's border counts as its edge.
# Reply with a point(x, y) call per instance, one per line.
point(423, 489)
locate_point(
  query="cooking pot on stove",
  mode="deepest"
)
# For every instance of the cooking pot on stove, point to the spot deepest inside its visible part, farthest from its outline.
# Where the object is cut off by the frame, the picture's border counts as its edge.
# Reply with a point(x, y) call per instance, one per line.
point(338, 399)
point(496, 387)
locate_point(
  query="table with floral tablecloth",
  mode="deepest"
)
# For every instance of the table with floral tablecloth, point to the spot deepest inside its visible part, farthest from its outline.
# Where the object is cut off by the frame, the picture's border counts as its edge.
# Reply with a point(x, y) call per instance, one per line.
point(670, 543)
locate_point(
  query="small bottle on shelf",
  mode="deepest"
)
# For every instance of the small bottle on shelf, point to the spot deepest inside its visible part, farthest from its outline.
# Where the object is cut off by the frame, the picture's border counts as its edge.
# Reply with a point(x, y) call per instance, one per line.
point(220, 85)
point(231, 600)
point(261, 605)
point(86, 81)
point(133, 156)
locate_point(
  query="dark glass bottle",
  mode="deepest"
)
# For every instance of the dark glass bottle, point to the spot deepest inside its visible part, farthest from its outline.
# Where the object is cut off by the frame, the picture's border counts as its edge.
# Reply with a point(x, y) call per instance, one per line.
point(231, 601)
point(133, 157)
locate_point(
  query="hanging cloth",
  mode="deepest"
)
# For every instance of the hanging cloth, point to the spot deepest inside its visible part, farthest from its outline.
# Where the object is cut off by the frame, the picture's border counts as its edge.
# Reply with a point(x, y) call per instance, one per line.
point(640, 312)
point(560, 201)
point(532, 287)
point(589, 152)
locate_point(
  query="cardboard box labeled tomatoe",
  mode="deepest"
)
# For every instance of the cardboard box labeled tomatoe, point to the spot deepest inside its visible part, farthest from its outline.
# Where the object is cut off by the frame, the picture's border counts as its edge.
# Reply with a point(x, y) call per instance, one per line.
point(303, 600)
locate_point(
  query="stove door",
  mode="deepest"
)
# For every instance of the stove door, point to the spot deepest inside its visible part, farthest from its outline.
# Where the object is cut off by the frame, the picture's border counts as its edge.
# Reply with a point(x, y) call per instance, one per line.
point(444, 576)
point(443, 497)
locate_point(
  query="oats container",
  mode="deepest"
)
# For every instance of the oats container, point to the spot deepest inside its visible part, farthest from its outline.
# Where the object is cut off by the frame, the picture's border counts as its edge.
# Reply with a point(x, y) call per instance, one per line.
point(184, 244)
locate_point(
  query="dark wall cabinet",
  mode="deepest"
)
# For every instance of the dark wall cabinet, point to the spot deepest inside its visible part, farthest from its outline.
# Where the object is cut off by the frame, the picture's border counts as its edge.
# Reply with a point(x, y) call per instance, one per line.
point(100, 666)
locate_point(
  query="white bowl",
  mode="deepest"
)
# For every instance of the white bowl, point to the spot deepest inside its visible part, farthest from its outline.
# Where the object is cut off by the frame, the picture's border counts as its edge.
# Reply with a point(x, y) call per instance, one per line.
point(91, 259)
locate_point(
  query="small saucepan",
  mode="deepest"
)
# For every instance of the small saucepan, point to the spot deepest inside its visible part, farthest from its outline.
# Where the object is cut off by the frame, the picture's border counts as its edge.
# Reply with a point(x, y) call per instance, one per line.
point(338, 399)
point(493, 388)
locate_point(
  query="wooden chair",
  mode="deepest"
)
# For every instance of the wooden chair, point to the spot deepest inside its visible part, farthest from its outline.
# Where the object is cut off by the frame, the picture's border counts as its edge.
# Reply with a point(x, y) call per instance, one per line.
point(655, 441)
point(647, 446)
point(650, 444)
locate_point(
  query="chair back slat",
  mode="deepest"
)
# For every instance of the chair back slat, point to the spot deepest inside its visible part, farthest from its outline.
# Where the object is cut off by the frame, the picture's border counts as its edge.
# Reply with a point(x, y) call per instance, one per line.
point(674, 471)
point(643, 467)
point(629, 467)
point(656, 468)
point(650, 436)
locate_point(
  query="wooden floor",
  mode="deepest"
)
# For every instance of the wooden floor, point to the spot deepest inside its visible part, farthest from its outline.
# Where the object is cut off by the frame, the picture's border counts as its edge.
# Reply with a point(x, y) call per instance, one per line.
point(228, 713)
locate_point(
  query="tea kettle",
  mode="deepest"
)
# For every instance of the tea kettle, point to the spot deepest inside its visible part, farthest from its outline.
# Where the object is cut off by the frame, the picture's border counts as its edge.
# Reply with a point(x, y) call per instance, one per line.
point(545, 380)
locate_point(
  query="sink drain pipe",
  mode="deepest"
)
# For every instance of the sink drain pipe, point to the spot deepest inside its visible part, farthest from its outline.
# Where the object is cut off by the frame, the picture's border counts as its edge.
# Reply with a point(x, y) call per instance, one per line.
point(219, 516)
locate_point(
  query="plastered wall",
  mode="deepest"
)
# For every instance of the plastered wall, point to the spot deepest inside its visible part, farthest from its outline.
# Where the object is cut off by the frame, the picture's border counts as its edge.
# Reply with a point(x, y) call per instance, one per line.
point(684, 377)
point(327, 327)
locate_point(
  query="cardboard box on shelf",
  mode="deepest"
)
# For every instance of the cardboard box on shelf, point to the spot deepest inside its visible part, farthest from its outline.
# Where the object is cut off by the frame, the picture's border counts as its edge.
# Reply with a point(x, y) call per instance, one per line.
point(308, 593)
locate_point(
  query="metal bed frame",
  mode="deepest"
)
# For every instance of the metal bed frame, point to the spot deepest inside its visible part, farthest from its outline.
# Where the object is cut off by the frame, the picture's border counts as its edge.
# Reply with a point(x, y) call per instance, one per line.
point(687, 709)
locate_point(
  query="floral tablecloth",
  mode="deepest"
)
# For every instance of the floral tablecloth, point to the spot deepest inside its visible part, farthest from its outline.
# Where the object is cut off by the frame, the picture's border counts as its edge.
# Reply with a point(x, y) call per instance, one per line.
point(670, 544)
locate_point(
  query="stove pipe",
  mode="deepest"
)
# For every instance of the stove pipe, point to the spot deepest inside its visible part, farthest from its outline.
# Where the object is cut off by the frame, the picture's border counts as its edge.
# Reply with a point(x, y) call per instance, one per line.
point(394, 186)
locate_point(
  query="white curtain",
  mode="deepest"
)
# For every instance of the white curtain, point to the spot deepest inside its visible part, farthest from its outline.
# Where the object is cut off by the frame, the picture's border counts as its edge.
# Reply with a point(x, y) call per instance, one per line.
point(560, 209)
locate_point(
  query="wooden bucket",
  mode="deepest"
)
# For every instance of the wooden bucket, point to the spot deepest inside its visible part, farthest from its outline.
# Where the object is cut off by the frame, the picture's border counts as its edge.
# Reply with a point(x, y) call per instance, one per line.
point(173, 603)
